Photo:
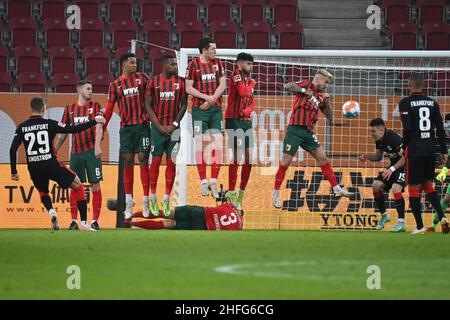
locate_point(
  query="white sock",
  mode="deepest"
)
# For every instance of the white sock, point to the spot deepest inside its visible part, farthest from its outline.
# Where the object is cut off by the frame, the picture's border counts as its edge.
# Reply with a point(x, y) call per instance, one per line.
point(145, 198)
point(153, 196)
point(166, 197)
point(128, 197)
point(204, 181)
point(52, 212)
point(401, 220)
point(213, 181)
point(84, 223)
point(337, 188)
point(93, 221)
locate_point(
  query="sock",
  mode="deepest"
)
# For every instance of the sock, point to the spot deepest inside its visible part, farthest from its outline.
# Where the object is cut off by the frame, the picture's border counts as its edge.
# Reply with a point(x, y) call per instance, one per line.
point(154, 173)
point(128, 178)
point(433, 198)
point(73, 205)
point(128, 197)
point(379, 200)
point(166, 197)
point(46, 201)
point(328, 173)
point(245, 175)
point(279, 177)
point(400, 205)
point(96, 204)
point(153, 196)
point(149, 224)
point(216, 164)
point(170, 175)
point(201, 165)
point(232, 176)
point(145, 179)
point(81, 202)
point(414, 202)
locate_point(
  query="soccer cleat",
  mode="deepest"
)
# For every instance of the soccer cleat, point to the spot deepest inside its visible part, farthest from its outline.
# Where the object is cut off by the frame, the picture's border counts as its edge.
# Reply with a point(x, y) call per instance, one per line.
point(95, 226)
point(128, 209)
point(385, 218)
point(213, 188)
point(165, 208)
point(399, 227)
point(240, 196)
point(145, 208)
point(73, 225)
point(276, 199)
point(342, 193)
point(418, 231)
point(445, 225)
point(154, 208)
point(55, 225)
point(430, 230)
point(204, 188)
point(233, 198)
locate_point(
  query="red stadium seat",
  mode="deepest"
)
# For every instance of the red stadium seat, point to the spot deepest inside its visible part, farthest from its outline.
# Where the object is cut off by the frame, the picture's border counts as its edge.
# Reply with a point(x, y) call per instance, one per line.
point(218, 10)
point(403, 36)
point(4, 54)
point(18, 8)
point(123, 32)
point(31, 82)
point(397, 10)
point(185, 10)
point(251, 10)
point(153, 9)
point(100, 82)
point(53, 9)
point(290, 35)
point(5, 82)
point(139, 56)
point(65, 82)
point(190, 33)
point(284, 10)
point(431, 10)
point(28, 58)
point(56, 33)
point(23, 31)
point(437, 36)
point(224, 32)
point(96, 60)
point(62, 59)
point(120, 9)
point(90, 8)
point(155, 56)
point(158, 32)
point(257, 34)
point(91, 33)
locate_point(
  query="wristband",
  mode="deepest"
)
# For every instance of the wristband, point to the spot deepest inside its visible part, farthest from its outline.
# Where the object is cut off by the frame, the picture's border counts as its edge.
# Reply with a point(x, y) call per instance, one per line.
point(303, 90)
point(392, 168)
point(175, 124)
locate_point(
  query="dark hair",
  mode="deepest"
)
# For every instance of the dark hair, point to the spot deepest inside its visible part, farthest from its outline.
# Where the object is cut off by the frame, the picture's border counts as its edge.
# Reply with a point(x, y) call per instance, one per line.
point(125, 57)
point(447, 117)
point(416, 80)
point(243, 56)
point(83, 82)
point(166, 58)
point(377, 122)
point(37, 103)
point(204, 44)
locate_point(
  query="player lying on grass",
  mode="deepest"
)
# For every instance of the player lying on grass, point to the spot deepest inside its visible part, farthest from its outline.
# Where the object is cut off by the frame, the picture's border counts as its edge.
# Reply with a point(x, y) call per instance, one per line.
point(393, 177)
point(38, 134)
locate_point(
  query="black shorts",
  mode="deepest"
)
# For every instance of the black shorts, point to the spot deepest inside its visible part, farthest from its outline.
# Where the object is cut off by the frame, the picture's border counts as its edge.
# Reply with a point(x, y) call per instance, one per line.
point(420, 169)
point(190, 218)
point(398, 177)
point(55, 172)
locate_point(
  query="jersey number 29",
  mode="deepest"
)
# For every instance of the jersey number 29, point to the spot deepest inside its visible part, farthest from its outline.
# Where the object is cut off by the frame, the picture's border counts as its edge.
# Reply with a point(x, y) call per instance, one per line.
point(42, 139)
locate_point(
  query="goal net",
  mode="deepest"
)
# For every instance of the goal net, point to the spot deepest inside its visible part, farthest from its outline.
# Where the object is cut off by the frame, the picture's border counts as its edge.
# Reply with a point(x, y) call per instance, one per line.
point(375, 79)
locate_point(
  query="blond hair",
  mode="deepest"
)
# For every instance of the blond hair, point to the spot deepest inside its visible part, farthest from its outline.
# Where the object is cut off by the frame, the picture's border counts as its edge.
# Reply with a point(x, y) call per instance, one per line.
point(325, 73)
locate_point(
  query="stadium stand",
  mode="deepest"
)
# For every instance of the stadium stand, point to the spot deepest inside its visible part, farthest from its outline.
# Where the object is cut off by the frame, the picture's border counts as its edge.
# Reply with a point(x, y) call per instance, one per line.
point(90, 8)
point(91, 33)
point(120, 10)
point(28, 59)
point(100, 82)
point(56, 33)
point(431, 10)
point(437, 35)
point(52, 9)
point(65, 82)
point(257, 34)
point(251, 10)
point(185, 10)
point(96, 60)
point(62, 59)
point(4, 54)
point(224, 32)
point(153, 9)
point(158, 32)
point(18, 9)
point(397, 10)
point(284, 10)
point(403, 35)
point(123, 31)
point(5, 82)
point(290, 35)
point(190, 33)
point(31, 82)
point(218, 10)
point(23, 31)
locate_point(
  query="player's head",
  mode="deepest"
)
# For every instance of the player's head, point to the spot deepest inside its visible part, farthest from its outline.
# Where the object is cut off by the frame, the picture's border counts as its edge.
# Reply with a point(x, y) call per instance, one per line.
point(128, 63)
point(245, 62)
point(377, 128)
point(38, 105)
point(322, 79)
point(170, 66)
point(84, 89)
point(415, 82)
point(207, 48)
point(447, 124)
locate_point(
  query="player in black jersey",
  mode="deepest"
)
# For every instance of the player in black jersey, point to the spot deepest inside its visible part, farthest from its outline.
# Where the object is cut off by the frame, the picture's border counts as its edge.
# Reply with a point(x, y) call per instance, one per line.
point(422, 120)
point(392, 178)
point(37, 134)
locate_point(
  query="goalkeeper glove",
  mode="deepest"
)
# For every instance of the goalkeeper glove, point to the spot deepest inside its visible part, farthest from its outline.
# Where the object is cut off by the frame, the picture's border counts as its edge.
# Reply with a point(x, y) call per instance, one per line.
point(442, 174)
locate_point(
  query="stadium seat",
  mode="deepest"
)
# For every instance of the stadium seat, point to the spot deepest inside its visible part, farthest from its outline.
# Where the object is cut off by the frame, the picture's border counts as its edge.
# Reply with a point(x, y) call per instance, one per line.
point(91, 33)
point(100, 82)
point(397, 10)
point(120, 10)
point(23, 31)
point(18, 8)
point(139, 56)
point(4, 54)
point(53, 9)
point(90, 8)
point(65, 82)
point(96, 60)
point(218, 10)
point(224, 32)
point(431, 10)
point(155, 56)
point(62, 59)
point(31, 82)
point(190, 33)
point(257, 34)
point(158, 32)
point(185, 10)
point(403, 36)
point(437, 35)
point(5, 82)
point(251, 10)
point(28, 59)
point(123, 32)
point(290, 35)
point(153, 9)
point(56, 33)
point(284, 10)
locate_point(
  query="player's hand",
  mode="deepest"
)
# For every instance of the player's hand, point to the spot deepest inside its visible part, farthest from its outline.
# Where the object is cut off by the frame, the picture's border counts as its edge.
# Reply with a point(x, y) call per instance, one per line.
point(205, 106)
point(100, 119)
point(15, 177)
point(326, 98)
point(210, 99)
point(308, 93)
point(363, 158)
point(98, 152)
point(442, 175)
point(387, 174)
point(163, 130)
point(169, 129)
point(443, 159)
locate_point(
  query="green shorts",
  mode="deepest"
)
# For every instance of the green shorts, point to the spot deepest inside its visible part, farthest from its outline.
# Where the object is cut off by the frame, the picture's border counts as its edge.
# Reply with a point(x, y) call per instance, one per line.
point(134, 139)
point(190, 218)
point(299, 136)
point(204, 120)
point(239, 133)
point(163, 144)
point(86, 163)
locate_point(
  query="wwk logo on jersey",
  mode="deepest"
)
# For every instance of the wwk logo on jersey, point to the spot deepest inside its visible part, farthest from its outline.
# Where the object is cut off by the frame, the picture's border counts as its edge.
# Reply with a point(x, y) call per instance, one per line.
point(315, 101)
point(167, 95)
point(131, 91)
point(78, 120)
point(208, 77)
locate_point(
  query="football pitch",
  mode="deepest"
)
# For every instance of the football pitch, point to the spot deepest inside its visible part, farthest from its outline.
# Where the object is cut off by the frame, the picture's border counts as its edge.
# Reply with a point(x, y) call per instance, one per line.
point(167, 264)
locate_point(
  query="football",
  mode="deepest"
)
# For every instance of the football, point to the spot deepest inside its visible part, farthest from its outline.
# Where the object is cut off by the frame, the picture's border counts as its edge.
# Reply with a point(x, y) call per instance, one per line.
point(351, 109)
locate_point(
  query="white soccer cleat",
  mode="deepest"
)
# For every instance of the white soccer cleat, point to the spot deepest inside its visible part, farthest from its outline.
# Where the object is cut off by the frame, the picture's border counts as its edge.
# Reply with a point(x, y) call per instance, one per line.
point(204, 188)
point(85, 227)
point(276, 199)
point(342, 193)
point(54, 219)
point(128, 209)
point(145, 208)
point(419, 231)
point(214, 191)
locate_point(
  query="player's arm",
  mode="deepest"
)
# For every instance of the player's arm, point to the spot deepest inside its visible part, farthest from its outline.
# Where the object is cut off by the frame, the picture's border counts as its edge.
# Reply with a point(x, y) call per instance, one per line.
point(326, 108)
point(62, 137)
point(242, 90)
point(98, 140)
point(194, 92)
point(64, 128)
point(112, 98)
point(13, 154)
point(441, 135)
point(221, 88)
point(296, 87)
point(181, 112)
point(406, 123)
point(149, 100)
point(374, 157)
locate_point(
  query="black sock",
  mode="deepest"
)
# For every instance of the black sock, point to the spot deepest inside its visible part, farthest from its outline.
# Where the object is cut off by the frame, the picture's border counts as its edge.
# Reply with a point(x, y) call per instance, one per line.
point(435, 202)
point(414, 203)
point(47, 202)
point(82, 207)
point(379, 200)
point(400, 205)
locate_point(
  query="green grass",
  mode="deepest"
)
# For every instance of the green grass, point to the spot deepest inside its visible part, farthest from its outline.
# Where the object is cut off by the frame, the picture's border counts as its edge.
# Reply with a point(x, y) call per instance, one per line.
point(140, 264)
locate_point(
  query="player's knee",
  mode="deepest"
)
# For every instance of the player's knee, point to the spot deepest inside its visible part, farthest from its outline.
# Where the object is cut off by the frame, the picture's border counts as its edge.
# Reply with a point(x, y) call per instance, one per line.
point(95, 186)
point(377, 186)
point(396, 188)
point(447, 199)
